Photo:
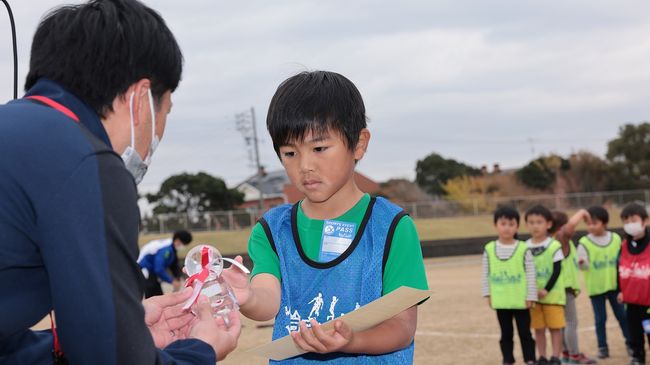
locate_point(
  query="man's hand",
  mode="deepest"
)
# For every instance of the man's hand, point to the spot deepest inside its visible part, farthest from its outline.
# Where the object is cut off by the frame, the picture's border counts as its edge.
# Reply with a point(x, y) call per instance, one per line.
point(316, 339)
point(238, 281)
point(164, 316)
point(214, 331)
point(529, 304)
point(489, 301)
point(542, 293)
point(619, 298)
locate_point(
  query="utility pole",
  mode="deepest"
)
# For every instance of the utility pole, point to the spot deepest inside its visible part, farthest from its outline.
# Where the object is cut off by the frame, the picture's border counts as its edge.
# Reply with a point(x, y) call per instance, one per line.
point(248, 128)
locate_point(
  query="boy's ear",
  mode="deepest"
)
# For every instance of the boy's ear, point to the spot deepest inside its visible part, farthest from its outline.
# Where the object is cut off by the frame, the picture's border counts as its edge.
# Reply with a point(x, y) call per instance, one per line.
point(362, 145)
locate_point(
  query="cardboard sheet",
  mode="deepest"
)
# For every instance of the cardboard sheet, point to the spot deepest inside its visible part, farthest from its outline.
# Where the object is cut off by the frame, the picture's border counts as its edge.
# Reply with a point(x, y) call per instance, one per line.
point(361, 319)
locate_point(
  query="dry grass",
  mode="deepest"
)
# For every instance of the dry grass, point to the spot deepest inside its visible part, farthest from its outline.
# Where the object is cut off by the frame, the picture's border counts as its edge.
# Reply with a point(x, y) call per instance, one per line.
point(231, 242)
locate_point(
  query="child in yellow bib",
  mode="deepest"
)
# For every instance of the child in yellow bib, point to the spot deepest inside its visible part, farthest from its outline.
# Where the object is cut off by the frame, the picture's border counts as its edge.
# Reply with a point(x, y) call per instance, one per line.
point(509, 284)
point(548, 312)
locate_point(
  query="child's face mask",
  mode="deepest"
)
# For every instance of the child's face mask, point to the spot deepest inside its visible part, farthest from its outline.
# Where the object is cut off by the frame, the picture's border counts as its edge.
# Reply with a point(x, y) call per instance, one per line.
point(634, 229)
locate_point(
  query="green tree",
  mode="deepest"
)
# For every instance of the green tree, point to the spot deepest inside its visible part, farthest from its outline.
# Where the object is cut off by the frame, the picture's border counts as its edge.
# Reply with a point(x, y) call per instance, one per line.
point(193, 194)
point(434, 171)
point(541, 173)
point(629, 156)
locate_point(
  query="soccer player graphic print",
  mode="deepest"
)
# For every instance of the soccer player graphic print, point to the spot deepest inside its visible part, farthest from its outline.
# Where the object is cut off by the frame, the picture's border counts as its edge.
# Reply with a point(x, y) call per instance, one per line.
point(318, 305)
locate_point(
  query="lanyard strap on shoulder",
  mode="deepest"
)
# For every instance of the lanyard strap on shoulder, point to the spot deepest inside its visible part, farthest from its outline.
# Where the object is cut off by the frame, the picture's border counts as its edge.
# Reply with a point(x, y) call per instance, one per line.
point(53, 104)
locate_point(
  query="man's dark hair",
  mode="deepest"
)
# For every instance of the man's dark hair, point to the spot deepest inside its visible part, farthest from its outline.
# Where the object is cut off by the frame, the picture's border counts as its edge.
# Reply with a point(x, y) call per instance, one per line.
point(598, 213)
point(634, 209)
point(559, 219)
point(539, 210)
point(184, 236)
point(507, 213)
point(317, 102)
point(98, 49)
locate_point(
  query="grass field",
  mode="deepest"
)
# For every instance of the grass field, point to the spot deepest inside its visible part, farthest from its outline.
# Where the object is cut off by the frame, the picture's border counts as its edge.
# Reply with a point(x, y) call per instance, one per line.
point(231, 242)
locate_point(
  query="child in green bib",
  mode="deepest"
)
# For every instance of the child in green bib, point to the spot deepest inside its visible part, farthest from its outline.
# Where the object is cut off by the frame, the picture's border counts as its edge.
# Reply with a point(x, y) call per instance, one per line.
point(597, 257)
point(548, 312)
point(509, 284)
point(563, 229)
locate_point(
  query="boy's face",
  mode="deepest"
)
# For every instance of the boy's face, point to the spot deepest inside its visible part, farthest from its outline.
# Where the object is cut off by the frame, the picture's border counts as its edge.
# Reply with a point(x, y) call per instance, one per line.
point(596, 227)
point(321, 165)
point(635, 219)
point(506, 228)
point(538, 226)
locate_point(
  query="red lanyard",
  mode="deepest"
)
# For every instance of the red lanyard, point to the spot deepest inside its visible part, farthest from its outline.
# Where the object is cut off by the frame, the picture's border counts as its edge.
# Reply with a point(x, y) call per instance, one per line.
point(57, 352)
point(53, 104)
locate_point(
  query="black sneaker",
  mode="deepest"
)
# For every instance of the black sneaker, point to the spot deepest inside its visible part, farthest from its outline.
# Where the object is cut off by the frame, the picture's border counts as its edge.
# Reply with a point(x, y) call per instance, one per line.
point(542, 361)
point(630, 352)
point(637, 362)
point(554, 361)
point(603, 352)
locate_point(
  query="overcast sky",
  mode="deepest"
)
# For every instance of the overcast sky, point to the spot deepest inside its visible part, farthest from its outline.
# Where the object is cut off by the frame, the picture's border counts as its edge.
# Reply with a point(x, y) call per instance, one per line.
point(482, 82)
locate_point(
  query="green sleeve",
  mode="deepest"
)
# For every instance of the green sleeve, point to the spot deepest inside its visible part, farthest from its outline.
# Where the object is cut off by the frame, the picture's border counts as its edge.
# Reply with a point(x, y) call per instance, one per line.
point(265, 260)
point(405, 266)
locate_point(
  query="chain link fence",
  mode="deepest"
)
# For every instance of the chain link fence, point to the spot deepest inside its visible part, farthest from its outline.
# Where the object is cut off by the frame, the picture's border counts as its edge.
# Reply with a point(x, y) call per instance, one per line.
point(439, 208)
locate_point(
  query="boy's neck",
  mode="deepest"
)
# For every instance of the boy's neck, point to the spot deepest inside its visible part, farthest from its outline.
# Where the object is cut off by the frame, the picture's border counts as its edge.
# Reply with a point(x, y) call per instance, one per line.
point(336, 205)
point(507, 241)
point(600, 234)
point(538, 239)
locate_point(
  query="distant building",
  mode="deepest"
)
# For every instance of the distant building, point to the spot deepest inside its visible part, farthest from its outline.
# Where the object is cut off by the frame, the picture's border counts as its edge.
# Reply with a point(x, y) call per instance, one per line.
point(277, 189)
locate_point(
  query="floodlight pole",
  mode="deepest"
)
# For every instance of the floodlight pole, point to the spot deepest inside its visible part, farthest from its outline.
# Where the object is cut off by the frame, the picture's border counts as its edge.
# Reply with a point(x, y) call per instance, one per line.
point(260, 172)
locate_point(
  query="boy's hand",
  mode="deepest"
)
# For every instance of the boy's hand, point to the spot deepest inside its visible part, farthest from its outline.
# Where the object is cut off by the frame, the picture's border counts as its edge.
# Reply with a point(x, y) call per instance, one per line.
point(316, 339)
point(238, 281)
point(529, 304)
point(542, 293)
point(489, 301)
point(619, 298)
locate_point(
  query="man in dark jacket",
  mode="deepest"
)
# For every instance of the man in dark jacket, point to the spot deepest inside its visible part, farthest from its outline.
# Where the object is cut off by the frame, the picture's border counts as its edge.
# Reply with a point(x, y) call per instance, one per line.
point(73, 148)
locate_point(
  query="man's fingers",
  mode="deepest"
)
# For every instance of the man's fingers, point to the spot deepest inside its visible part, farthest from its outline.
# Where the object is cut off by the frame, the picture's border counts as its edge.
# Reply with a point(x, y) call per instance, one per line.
point(172, 299)
point(180, 322)
point(203, 309)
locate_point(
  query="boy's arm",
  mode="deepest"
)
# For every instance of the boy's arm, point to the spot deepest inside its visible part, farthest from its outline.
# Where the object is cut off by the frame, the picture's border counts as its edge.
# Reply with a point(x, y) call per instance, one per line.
point(263, 298)
point(583, 257)
point(531, 280)
point(391, 335)
point(159, 266)
point(485, 287)
point(567, 231)
point(259, 298)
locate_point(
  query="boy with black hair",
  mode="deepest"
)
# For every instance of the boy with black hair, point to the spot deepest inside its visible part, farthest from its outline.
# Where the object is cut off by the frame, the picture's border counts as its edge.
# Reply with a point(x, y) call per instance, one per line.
point(598, 254)
point(337, 241)
point(634, 277)
point(509, 284)
point(549, 310)
point(563, 230)
point(158, 256)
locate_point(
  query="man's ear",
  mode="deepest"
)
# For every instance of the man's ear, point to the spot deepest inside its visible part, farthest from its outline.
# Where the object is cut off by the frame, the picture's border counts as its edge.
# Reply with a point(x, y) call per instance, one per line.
point(140, 100)
point(362, 144)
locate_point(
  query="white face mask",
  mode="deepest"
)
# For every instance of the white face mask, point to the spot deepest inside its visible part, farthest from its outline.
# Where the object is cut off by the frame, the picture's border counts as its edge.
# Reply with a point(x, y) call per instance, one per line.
point(634, 229)
point(132, 160)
